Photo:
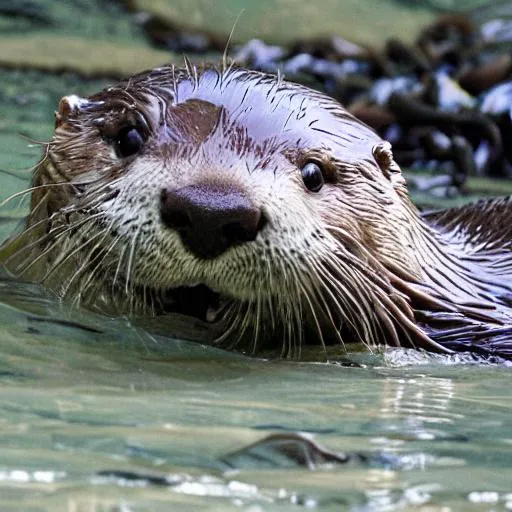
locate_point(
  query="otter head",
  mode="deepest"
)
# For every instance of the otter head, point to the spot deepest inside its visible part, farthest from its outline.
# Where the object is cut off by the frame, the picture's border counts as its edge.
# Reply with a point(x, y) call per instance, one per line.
point(252, 203)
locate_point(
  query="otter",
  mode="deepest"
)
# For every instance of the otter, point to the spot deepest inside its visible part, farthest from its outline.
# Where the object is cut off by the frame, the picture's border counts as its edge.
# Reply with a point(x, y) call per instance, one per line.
point(263, 211)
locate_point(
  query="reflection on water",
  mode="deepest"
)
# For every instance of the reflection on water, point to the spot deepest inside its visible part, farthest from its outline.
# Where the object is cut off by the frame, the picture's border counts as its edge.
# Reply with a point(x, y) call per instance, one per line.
point(96, 414)
point(423, 400)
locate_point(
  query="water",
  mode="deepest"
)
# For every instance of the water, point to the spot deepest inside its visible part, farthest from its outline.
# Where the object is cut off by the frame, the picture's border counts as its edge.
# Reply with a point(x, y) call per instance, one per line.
point(81, 394)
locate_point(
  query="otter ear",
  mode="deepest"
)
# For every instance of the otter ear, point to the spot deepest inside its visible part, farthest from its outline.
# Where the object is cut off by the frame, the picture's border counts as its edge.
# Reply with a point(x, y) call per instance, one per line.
point(384, 158)
point(69, 107)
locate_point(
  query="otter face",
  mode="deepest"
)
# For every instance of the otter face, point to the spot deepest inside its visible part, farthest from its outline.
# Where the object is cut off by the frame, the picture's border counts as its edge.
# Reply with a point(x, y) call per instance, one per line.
point(231, 196)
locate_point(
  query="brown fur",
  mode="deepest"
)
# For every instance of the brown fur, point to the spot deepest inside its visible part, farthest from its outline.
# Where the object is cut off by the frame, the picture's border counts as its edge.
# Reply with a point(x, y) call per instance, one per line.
point(353, 262)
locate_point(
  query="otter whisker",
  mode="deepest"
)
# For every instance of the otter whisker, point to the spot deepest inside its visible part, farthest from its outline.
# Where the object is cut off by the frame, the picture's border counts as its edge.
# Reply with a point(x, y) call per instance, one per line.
point(360, 290)
point(318, 292)
point(383, 307)
point(290, 345)
point(148, 302)
point(129, 285)
point(31, 245)
point(43, 143)
point(350, 310)
point(118, 271)
point(301, 290)
point(289, 318)
point(257, 320)
point(102, 251)
point(67, 256)
point(30, 190)
point(231, 317)
point(91, 278)
point(247, 320)
point(236, 330)
point(286, 313)
point(55, 236)
point(305, 293)
point(42, 222)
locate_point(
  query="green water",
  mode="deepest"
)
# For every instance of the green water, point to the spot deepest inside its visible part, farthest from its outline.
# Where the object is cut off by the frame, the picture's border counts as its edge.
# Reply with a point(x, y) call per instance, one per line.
point(105, 396)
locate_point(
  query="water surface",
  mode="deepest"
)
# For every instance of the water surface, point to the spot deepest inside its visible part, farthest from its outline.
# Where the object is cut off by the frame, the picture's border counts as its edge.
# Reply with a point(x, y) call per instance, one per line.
point(85, 400)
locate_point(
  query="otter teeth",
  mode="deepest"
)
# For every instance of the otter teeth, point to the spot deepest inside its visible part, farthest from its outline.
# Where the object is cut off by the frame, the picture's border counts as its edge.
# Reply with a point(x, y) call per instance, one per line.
point(214, 311)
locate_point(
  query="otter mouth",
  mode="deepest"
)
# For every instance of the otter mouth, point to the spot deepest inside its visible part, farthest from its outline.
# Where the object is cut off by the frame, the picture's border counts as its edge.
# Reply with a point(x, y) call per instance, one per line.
point(198, 301)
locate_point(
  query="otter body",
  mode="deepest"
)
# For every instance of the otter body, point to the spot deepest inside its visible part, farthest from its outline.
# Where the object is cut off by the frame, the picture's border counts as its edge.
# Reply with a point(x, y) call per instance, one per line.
point(262, 210)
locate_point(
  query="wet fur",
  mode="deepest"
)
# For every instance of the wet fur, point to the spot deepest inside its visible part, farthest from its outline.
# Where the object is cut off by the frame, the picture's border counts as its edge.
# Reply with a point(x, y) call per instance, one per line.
point(355, 262)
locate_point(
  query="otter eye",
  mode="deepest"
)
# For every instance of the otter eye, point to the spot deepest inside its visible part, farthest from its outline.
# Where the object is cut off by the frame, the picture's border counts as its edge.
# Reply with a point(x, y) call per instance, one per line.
point(313, 176)
point(129, 141)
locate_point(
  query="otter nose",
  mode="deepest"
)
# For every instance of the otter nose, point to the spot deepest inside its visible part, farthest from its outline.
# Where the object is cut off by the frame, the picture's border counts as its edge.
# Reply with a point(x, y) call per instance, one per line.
point(210, 219)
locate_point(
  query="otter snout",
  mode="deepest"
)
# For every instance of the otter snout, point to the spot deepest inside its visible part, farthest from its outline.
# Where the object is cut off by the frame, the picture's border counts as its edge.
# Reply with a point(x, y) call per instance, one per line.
point(210, 218)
